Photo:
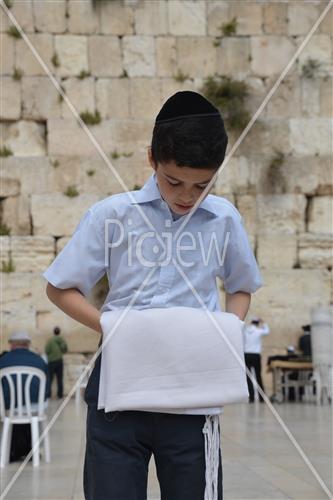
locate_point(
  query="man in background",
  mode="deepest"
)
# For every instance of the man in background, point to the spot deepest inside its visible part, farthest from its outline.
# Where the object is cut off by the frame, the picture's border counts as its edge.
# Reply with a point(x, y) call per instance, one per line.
point(20, 355)
point(54, 349)
point(252, 350)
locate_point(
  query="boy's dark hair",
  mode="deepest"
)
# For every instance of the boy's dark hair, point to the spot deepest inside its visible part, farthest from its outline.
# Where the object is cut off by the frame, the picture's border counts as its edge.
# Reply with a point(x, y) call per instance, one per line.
point(190, 131)
point(56, 330)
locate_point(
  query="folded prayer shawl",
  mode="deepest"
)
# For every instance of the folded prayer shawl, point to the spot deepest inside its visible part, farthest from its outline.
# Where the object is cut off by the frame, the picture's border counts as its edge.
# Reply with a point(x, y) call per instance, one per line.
point(173, 360)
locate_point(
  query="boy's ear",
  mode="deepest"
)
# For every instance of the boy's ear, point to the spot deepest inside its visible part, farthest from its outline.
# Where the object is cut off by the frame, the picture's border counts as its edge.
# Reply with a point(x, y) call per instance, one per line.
point(150, 158)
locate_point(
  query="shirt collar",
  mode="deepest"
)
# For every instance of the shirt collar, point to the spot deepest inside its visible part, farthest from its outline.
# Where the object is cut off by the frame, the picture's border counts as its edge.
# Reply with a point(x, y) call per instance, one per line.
point(150, 191)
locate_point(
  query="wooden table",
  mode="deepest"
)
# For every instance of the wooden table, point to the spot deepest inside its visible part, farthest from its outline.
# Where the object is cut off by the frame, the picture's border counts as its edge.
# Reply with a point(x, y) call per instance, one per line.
point(281, 369)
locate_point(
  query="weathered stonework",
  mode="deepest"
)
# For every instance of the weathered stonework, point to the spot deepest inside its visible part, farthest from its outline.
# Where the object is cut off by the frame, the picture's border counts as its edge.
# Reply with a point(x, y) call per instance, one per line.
point(124, 59)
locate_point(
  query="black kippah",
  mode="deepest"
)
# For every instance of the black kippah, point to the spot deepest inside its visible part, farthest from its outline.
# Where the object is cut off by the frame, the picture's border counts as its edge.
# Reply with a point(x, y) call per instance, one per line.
point(186, 104)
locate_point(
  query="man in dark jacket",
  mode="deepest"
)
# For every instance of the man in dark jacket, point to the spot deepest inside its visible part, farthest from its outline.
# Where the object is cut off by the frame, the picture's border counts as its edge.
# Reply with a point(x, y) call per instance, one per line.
point(20, 355)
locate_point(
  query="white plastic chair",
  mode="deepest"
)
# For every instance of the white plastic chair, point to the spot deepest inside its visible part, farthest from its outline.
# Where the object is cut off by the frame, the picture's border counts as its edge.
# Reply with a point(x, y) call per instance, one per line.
point(78, 369)
point(30, 413)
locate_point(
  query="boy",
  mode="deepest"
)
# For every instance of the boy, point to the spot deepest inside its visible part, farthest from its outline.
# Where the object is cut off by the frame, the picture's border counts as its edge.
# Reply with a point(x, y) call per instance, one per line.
point(188, 146)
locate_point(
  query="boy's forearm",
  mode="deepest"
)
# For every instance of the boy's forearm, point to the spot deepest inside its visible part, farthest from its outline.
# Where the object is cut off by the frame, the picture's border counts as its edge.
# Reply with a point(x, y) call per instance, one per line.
point(75, 305)
point(238, 303)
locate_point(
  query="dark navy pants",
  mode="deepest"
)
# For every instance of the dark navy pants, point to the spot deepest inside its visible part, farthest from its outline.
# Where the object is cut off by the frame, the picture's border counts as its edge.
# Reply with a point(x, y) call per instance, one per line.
point(119, 446)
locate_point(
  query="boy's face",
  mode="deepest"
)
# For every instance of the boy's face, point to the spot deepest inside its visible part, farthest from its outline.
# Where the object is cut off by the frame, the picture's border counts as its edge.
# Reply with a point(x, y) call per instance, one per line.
point(180, 187)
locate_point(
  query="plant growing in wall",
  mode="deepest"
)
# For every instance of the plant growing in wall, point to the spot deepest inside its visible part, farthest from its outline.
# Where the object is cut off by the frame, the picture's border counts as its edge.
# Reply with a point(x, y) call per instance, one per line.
point(14, 32)
point(83, 74)
point(71, 192)
point(180, 76)
point(17, 74)
point(275, 182)
point(91, 118)
point(4, 230)
point(227, 29)
point(229, 96)
point(4, 152)
point(310, 68)
point(9, 266)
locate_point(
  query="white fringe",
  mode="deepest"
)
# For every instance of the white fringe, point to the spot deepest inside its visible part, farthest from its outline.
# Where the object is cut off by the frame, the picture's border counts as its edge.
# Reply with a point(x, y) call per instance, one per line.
point(212, 447)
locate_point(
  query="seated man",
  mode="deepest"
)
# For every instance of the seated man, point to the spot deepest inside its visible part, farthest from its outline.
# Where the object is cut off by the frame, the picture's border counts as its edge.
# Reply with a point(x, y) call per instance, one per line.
point(20, 355)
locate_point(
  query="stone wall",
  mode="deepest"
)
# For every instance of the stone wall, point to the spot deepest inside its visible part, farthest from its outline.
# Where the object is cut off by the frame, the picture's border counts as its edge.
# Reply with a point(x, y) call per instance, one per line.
point(123, 59)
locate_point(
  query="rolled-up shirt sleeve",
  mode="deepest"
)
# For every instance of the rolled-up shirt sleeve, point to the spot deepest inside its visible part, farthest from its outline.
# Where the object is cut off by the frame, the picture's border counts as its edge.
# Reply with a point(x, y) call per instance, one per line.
point(81, 263)
point(240, 271)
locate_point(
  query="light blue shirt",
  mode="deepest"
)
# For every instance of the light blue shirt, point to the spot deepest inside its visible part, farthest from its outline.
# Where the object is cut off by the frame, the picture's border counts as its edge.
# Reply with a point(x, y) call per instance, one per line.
point(212, 244)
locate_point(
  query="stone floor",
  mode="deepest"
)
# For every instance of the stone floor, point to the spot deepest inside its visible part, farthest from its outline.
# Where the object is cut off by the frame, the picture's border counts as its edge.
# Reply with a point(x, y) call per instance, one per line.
point(259, 460)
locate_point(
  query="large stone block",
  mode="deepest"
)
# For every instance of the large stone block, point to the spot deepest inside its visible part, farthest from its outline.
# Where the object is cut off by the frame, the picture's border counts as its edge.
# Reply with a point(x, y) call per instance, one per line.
point(311, 136)
point(113, 97)
point(326, 97)
point(315, 250)
point(320, 218)
point(22, 11)
point(233, 57)
point(72, 53)
point(65, 137)
point(50, 16)
point(270, 54)
point(286, 100)
point(81, 94)
point(16, 214)
point(249, 17)
point(27, 175)
point(93, 175)
point(247, 206)
point(283, 213)
point(145, 98)
point(10, 99)
point(166, 56)
point(139, 55)
point(319, 48)
point(25, 138)
point(151, 18)
point(196, 56)
point(307, 174)
point(266, 137)
point(83, 18)
point(187, 18)
point(234, 178)
point(310, 92)
point(105, 56)
point(277, 251)
point(287, 298)
point(25, 59)
point(217, 16)
point(7, 56)
point(79, 338)
point(301, 17)
point(275, 16)
point(116, 18)
point(59, 215)
point(31, 253)
point(327, 23)
point(40, 99)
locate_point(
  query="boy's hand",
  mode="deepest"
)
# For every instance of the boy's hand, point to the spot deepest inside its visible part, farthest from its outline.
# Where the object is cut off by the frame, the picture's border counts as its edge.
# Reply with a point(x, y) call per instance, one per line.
point(75, 305)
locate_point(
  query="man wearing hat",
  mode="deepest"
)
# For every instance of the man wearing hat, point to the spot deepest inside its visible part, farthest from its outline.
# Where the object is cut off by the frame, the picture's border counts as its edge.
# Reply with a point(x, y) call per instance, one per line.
point(304, 342)
point(188, 146)
point(252, 349)
point(20, 355)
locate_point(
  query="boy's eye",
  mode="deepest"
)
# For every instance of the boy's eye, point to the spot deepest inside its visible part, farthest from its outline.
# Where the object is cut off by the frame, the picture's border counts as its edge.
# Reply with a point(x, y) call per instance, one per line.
point(177, 184)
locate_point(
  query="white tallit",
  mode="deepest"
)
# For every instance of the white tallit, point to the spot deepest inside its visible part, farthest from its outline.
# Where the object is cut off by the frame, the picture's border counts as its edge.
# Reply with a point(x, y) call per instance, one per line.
point(174, 360)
